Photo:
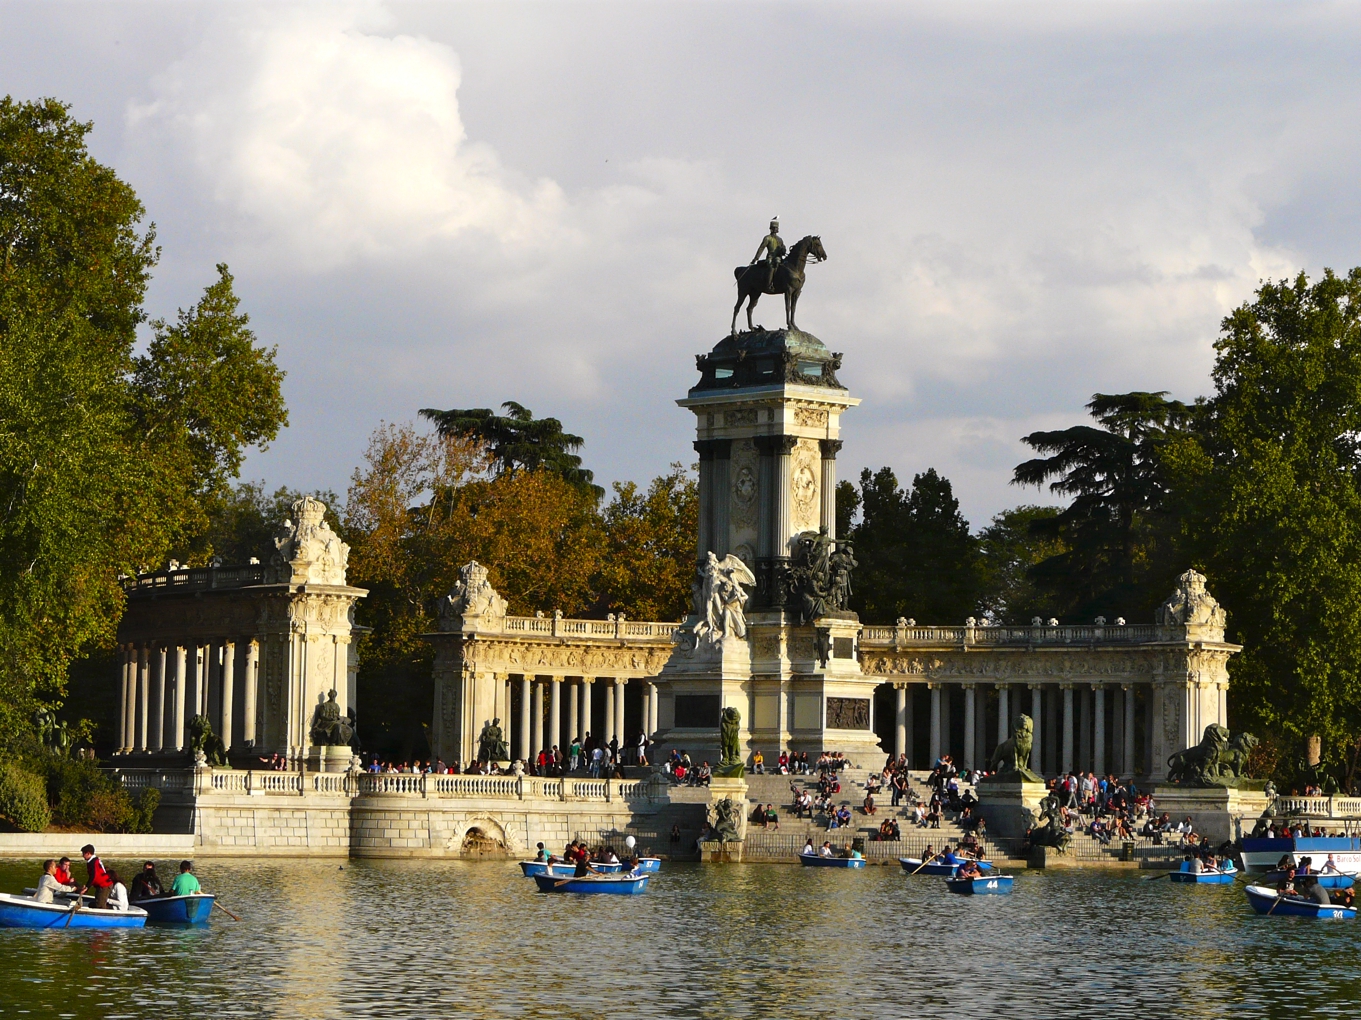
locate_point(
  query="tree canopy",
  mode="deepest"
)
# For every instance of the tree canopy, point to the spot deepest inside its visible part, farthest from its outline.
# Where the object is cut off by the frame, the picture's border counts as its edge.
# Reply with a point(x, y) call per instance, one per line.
point(106, 459)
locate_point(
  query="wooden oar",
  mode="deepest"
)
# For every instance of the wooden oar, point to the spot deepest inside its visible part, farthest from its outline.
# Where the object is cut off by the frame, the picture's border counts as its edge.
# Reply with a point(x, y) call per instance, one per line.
point(1154, 878)
point(225, 910)
point(72, 912)
point(926, 862)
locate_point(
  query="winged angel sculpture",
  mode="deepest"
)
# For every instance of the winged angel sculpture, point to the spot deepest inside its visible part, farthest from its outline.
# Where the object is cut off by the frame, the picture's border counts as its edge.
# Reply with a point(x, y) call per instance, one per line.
point(720, 600)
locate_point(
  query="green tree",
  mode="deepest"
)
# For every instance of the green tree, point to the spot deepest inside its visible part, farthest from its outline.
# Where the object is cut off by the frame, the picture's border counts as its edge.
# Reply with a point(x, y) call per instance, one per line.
point(1117, 555)
point(517, 441)
point(917, 557)
point(1272, 505)
point(1011, 546)
point(104, 457)
point(649, 559)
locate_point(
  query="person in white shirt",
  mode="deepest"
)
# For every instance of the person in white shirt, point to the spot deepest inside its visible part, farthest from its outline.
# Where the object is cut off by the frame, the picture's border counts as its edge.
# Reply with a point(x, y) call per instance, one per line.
point(118, 895)
point(48, 886)
point(826, 850)
point(808, 850)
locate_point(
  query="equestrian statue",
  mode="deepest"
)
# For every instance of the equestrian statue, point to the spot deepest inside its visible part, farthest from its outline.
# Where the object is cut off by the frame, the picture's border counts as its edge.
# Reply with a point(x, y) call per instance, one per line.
point(775, 270)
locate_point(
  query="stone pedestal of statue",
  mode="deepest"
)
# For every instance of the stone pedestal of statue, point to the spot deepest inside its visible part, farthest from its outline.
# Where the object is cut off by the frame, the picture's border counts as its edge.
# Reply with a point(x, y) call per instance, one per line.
point(1003, 804)
point(1222, 813)
point(726, 851)
point(329, 757)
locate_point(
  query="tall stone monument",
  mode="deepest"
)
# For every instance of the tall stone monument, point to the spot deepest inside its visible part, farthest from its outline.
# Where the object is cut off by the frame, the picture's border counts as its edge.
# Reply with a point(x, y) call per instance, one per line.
point(770, 635)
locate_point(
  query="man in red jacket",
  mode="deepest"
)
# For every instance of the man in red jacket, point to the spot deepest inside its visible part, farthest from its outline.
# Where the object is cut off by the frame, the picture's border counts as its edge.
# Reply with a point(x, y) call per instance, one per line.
point(99, 878)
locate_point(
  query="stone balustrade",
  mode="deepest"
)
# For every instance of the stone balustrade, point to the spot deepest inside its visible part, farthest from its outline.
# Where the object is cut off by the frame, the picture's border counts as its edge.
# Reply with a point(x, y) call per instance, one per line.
point(1319, 807)
point(209, 781)
point(955, 637)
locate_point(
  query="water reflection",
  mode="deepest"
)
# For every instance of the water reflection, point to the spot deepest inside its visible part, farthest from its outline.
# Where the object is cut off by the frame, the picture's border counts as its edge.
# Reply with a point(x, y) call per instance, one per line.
point(437, 938)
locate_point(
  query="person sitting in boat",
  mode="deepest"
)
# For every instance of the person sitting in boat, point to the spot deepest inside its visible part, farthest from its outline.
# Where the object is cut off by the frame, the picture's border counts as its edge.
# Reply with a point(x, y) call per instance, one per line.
point(826, 849)
point(49, 885)
point(951, 858)
point(146, 885)
point(1330, 867)
point(609, 857)
point(808, 848)
point(118, 893)
point(185, 883)
point(63, 872)
point(1344, 897)
point(969, 869)
point(1286, 885)
point(1192, 864)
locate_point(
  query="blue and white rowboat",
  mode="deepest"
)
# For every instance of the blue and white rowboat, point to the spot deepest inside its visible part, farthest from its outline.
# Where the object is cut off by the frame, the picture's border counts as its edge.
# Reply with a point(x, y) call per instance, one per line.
point(561, 869)
point(195, 908)
point(617, 885)
point(1268, 901)
point(937, 868)
point(1332, 880)
point(817, 861)
point(984, 885)
point(649, 865)
point(1186, 876)
point(24, 912)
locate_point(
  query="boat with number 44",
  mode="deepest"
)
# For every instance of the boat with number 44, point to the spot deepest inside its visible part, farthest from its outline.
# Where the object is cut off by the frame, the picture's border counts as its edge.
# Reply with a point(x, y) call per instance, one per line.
point(983, 885)
point(1269, 901)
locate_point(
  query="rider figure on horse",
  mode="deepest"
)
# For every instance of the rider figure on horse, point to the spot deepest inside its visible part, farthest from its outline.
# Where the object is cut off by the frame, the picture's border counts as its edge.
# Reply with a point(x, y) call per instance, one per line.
point(772, 246)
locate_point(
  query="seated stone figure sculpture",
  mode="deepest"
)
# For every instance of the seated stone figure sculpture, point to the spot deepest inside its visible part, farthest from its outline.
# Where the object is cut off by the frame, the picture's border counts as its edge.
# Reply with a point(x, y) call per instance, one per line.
point(329, 727)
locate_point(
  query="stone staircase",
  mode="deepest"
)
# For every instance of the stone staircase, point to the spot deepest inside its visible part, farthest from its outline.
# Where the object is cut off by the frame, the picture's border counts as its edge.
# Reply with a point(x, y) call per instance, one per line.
point(775, 789)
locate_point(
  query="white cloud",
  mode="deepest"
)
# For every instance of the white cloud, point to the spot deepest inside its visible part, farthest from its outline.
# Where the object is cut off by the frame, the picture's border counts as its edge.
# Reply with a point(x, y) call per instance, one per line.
point(339, 141)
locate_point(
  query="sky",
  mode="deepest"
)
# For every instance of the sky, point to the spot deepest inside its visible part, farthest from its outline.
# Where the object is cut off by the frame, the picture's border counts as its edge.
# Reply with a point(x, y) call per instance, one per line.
point(454, 205)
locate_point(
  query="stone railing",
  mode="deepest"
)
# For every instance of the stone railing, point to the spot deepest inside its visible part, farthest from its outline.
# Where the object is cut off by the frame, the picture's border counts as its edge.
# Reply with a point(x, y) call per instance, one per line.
point(228, 782)
point(909, 636)
point(559, 626)
point(195, 579)
point(1319, 807)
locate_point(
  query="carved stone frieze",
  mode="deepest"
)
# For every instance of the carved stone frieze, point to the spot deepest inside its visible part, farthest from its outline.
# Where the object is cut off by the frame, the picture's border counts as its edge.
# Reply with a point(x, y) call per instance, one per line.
point(739, 416)
point(810, 417)
point(805, 471)
point(744, 473)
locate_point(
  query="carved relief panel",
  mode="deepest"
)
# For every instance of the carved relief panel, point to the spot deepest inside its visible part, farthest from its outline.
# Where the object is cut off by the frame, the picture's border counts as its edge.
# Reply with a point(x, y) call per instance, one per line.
point(805, 476)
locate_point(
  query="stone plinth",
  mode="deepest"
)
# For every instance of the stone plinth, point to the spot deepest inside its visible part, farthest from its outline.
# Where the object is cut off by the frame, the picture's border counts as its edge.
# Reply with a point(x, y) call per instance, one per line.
point(328, 758)
point(714, 852)
point(1003, 803)
point(1215, 811)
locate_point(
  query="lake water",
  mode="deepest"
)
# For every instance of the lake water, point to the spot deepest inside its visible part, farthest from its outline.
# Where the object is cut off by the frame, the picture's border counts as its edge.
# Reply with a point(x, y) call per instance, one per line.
point(441, 939)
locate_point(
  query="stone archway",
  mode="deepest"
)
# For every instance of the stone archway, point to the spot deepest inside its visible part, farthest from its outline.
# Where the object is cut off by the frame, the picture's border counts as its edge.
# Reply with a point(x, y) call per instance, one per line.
point(480, 838)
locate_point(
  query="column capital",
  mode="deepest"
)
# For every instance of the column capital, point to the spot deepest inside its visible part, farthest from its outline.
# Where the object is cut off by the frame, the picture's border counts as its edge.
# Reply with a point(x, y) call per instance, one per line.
point(830, 448)
point(968, 685)
point(713, 449)
point(1066, 685)
point(1034, 687)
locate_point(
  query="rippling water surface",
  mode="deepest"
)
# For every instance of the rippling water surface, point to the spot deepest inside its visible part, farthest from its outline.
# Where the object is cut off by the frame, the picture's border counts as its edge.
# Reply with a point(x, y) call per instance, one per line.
point(434, 939)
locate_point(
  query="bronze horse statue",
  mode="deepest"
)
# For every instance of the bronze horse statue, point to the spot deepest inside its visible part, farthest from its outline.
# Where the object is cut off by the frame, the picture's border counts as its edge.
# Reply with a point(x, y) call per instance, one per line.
point(751, 280)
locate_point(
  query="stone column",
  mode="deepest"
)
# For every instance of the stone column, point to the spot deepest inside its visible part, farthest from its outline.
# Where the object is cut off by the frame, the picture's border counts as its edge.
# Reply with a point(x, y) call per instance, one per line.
point(177, 735)
point(765, 497)
point(830, 448)
point(1067, 764)
point(130, 709)
point(619, 683)
point(555, 713)
point(536, 738)
point(1128, 758)
point(1003, 714)
point(586, 684)
point(252, 681)
point(653, 698)
point(784, 480)
point(124, 669)
point(143, 695)
point(720, 501)
point(228, 693)
point(900, 721)
point(935, 725)
point(705, 449)
point(573, 712)
point(970, 733)
point(212, 685)
point(608, 733)
point(1099, 730)
point(158, 702)
point(1036, 701)
point(525, 707)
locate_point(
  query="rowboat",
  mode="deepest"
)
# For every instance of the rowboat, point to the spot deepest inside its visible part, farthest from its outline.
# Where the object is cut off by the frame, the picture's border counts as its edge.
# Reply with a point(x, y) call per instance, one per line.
point(194, 908)
point(1332, 880)
point(617, 885)
point(649, 865)
point(1269, 901)
point(1263, 854)
point(561, 869)
point(818, 861)
point(1186, 876)
point(984, 885)
point(938, 868)
point(25, 912)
